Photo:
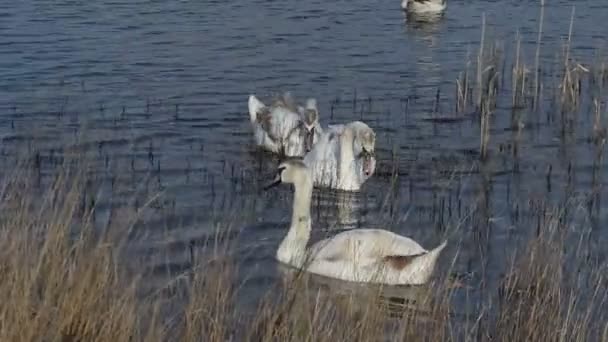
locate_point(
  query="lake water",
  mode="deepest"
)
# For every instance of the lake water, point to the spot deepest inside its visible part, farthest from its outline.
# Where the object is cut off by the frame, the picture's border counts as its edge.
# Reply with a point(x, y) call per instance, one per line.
point(162, 88)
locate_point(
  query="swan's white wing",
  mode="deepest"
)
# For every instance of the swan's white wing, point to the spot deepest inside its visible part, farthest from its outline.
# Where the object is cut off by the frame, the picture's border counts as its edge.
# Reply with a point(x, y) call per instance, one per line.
point(262, 138)
point(254, 105)
point(260, 118)
point(289, 126)
point(373, 255)
point(277, 128)
point(282, 122)
point(294, 145)
point(364, 246)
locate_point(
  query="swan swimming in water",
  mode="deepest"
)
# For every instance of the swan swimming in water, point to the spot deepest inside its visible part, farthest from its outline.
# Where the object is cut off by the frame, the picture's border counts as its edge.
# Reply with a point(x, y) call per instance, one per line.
point(423, 6)
point(284, 127)
point(343, 157)
point(359, 255)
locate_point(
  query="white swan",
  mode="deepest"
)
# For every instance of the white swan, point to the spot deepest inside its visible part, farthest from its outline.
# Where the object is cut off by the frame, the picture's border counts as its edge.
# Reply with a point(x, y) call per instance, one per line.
point(423, 6)
point(343, 158)
point(360, 255)
point(283, 127)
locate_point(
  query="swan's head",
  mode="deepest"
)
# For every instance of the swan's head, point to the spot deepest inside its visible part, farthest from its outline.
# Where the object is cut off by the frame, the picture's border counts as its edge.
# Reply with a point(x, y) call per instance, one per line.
point(291, 171)
point(310, 119)
point(364, 145)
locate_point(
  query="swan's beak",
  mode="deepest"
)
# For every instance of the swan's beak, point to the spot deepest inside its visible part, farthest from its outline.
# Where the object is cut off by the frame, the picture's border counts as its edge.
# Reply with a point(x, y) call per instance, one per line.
point(309, 139)
point(276, 181)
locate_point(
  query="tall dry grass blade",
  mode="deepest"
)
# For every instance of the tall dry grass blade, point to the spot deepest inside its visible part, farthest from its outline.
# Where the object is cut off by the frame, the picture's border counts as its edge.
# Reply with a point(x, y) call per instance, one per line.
point(537, 55)
point(515, 74)
point(480, 64)
point(60, 278)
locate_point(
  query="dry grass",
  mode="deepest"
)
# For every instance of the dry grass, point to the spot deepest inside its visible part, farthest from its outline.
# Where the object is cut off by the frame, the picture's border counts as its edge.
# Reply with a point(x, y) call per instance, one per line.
point(538, 301)
point(60, 281)
point(65, 280)
point(518, 77)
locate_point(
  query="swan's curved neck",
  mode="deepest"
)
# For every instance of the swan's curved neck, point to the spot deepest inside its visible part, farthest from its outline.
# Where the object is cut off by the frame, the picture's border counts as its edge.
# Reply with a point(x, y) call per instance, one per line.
point(347, 156)
point(293, 247)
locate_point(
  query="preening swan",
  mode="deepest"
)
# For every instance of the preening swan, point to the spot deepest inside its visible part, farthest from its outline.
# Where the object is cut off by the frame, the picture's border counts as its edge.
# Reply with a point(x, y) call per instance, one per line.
point(423, 6)
point(284, 127)
point(360, 255)
point(343, 158)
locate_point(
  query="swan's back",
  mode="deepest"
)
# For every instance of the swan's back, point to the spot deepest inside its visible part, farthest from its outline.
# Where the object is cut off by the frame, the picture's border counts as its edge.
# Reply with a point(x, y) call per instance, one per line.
point(367, 244)
point(373, 255)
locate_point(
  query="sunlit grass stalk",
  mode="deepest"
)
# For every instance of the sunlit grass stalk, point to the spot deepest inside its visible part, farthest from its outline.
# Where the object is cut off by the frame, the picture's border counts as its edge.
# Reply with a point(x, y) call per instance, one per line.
point(480, 64)
point(518, 76)
point(463, 89)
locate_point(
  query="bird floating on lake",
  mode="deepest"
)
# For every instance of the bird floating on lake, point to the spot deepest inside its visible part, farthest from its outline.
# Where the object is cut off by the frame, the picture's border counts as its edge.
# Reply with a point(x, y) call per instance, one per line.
point(359, 255)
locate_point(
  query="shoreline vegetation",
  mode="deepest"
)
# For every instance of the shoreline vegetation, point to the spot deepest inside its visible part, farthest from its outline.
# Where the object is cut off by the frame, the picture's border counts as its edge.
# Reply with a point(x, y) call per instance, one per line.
point(64, 279)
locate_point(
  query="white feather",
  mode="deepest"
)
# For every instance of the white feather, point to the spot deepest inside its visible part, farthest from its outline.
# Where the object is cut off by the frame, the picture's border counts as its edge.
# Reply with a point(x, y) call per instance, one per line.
point(282, 134)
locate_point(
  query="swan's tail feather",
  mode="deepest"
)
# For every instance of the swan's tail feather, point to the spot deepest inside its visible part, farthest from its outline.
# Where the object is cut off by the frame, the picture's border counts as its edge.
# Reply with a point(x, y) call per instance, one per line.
point(439, 248)
point(255, 106)
point(428, 260)
point(425, 263)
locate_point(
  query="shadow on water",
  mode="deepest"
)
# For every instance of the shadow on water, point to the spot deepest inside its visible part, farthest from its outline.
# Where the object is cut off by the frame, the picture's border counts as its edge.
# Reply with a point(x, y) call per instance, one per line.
point(396, 299)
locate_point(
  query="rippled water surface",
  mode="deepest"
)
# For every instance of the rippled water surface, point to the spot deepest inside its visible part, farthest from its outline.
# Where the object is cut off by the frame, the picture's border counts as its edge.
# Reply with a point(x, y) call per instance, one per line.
point(162, 88)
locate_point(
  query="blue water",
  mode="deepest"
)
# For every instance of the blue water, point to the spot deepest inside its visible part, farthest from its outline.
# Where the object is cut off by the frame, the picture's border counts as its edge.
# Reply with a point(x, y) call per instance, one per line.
point(161, 88)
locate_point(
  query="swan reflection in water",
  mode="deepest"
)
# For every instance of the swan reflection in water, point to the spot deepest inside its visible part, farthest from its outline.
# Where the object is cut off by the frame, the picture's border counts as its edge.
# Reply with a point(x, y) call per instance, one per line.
point(395, 301)
point(424, 25)
point(339, 209)
point(423, 20)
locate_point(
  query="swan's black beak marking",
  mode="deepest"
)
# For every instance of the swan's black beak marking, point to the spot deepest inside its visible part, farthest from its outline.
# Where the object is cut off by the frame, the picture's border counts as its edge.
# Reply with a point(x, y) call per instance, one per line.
point(276, 181)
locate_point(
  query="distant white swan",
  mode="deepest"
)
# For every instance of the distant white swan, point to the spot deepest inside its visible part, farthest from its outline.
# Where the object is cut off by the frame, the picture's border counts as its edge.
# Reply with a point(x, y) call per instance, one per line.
point(423, 6)
point(360, 255)
point(343, 158)
point(284, 127)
